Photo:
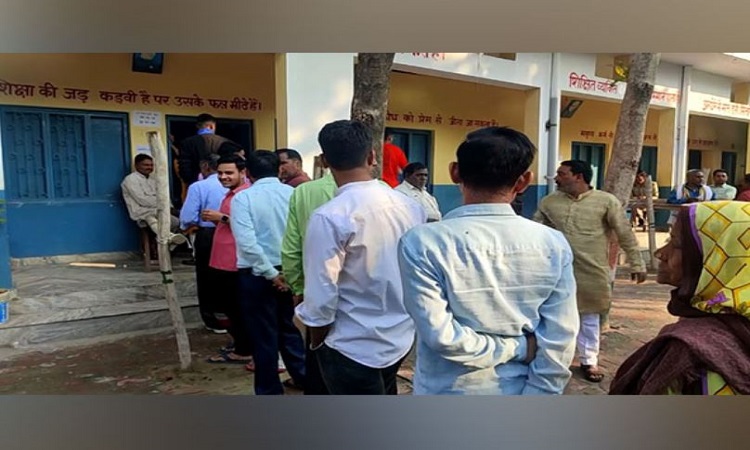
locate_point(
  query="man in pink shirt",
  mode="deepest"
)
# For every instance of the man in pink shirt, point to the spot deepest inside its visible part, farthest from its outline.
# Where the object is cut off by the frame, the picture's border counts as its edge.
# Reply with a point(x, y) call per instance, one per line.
point(231, 171)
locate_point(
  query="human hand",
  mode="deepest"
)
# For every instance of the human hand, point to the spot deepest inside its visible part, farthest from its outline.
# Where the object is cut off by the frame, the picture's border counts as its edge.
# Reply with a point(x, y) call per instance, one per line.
point(210, 215)
point(531, 348)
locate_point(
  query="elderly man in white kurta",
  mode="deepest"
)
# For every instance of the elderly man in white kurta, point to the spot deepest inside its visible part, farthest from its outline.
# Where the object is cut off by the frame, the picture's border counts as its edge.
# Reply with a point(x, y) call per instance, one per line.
point(139, 193)
point(415, 181)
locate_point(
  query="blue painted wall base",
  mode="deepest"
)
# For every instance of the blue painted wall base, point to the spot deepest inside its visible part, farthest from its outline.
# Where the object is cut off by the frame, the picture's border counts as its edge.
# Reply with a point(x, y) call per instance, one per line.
point(6, 279)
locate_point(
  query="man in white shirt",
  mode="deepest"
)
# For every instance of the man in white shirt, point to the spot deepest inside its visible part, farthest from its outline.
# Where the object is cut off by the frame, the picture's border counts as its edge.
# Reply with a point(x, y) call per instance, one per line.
point(720, 187)
point(353, 301)
point(415, 181)
point(139, 193)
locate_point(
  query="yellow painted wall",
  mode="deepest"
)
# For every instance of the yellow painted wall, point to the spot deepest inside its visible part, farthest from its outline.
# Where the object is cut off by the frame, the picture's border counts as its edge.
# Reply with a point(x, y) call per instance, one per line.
point(475, 104)
point(713, 136)
point(600, 118)
point(215, 76)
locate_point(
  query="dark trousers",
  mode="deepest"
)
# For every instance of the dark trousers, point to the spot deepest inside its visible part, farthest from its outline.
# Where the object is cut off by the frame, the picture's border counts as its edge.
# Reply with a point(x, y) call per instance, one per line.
point(344, 376)
point(205, 279)
point(269, 313)
point(314, 384)
point(228, 292)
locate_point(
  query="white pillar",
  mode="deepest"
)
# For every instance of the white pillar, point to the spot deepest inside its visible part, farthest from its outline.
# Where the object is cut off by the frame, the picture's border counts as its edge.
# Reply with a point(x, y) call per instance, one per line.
point(682, 116)
point(553, 145)
point(312, 89)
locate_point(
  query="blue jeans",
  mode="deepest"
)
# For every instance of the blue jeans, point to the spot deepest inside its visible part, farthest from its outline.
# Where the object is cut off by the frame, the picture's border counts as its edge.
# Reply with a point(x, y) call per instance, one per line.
point(268, 314)
point(344, 376)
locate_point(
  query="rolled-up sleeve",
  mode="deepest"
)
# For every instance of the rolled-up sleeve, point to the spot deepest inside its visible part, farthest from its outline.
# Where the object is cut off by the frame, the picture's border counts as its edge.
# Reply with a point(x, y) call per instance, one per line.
point(435, 323)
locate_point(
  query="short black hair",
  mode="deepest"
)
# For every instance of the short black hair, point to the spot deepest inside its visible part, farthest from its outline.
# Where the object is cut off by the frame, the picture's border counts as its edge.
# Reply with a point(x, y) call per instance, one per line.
point(413, 167)
point(140, 157)
point(232, 159)
point(263, 164)
point(493, 158)
point(577, 166)
point(229, 148)
point(212, 159)
point(204, 119)
point(290, 153)
point(345, 144)
point(720, 171)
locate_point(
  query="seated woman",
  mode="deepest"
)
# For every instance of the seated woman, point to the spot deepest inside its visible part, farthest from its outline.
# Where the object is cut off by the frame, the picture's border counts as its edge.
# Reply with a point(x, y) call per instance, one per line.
point(707, 351)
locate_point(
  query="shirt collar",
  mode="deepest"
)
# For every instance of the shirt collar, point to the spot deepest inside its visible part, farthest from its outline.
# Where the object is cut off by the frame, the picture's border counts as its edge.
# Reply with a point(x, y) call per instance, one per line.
point(267, 180)
point(482, 209)
point(239, 188)
point(356, 185)
point(203, 131)
point(581, 196)
point(411, 186)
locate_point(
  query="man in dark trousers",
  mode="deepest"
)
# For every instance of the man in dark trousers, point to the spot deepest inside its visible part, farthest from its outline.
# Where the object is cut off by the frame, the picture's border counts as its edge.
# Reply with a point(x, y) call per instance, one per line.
point(196, 148)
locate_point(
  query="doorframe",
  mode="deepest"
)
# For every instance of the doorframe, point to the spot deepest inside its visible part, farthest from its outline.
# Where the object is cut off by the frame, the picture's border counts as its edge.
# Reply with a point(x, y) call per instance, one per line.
point(430, 150)
point(602, 169)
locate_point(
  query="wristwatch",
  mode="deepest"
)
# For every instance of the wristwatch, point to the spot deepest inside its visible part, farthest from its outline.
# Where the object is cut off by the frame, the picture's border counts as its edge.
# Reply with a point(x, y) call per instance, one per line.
point(225, 219)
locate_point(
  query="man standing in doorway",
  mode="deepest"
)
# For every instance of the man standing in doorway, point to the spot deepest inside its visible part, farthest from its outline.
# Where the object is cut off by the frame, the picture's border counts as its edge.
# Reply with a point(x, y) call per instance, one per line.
point(290, 170)
point(258, 221)
point(305, 199)
point(720, 187)
point(394, 162)
point(414, 186)
point(588, 218)
point(482, 308)
point(139, 193)
point(204, 195)
point(198, 147)
point(353, 304)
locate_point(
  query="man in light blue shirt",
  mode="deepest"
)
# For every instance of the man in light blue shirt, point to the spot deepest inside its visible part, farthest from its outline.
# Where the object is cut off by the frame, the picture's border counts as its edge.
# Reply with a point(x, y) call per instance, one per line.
point(202, 196)
point(258, 222)
point(491, 293)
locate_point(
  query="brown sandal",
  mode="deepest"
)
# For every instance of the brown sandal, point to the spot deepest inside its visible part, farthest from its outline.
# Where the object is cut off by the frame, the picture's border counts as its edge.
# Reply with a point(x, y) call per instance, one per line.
point(592, 373)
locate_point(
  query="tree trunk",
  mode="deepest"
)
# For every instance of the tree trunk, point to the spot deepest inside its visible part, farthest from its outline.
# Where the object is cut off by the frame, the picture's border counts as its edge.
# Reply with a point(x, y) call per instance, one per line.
point(370, 101)
point(161, 173)
point(628, 145)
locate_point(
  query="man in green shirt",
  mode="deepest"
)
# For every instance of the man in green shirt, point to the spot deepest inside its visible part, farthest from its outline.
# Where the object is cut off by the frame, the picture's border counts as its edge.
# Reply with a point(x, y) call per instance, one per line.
point(306, 198)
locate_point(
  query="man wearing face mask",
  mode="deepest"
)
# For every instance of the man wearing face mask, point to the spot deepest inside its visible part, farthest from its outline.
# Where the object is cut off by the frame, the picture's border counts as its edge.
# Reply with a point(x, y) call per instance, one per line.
point(415, 182)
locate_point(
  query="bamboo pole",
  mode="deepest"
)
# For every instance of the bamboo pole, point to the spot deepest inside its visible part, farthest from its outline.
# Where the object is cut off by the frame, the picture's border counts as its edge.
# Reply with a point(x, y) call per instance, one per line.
point(161, 174)
point(651, 223)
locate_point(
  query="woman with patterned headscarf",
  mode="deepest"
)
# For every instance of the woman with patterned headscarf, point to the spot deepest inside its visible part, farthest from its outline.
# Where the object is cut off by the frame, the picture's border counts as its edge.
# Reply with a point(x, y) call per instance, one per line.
point(707, 351)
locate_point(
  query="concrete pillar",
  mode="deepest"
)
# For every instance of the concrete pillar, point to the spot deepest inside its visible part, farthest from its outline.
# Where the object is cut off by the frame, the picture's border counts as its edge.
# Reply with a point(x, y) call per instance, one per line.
point(312, 89)
point(680, 155)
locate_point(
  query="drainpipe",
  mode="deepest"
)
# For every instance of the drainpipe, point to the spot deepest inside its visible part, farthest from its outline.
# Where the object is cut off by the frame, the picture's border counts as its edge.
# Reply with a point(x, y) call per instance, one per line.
point(679, 158)
point(553, 129)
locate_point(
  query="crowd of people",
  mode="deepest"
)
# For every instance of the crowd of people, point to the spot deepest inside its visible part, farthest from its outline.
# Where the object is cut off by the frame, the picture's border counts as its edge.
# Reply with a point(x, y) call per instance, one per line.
point(371, 270)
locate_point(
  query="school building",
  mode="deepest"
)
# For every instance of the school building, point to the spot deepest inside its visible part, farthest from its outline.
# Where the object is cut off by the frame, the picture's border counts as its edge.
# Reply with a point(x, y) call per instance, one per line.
point(70, 124)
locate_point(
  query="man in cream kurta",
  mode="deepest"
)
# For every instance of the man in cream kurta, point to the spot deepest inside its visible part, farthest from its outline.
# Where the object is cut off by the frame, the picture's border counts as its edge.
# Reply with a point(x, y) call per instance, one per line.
point(415, 181)
point(587, 217)
point(139, 193)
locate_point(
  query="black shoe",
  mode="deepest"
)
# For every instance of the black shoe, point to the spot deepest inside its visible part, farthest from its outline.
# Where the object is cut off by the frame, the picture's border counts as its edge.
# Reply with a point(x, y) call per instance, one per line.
point(189, 262)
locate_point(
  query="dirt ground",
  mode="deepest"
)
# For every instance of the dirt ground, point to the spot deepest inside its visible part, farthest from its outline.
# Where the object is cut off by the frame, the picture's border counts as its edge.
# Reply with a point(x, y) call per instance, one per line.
point(148, 364)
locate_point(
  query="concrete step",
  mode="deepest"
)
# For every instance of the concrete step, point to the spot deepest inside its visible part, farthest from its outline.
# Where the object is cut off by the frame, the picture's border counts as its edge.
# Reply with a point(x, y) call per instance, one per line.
point(58, 303)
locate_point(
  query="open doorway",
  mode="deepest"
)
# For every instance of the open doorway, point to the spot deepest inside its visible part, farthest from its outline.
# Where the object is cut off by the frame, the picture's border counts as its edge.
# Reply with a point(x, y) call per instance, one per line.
point(182, 127)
